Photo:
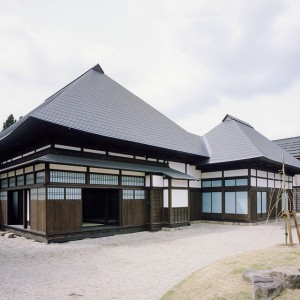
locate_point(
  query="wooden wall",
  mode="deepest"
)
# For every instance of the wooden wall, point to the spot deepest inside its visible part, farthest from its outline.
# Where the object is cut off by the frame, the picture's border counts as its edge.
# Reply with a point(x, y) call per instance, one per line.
point(156, 206)
point(38, 215)
point(63, 216)
point(3, 212)
point(135, 212)
point(296, 199)
point(180, 214)
point(195, 205)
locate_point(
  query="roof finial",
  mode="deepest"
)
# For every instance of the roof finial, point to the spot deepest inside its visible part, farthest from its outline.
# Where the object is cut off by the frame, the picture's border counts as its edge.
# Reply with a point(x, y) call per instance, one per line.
point(98, 68)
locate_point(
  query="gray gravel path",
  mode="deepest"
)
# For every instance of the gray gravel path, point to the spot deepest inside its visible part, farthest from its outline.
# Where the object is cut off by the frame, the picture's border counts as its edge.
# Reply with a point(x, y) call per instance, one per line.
point(134, 266)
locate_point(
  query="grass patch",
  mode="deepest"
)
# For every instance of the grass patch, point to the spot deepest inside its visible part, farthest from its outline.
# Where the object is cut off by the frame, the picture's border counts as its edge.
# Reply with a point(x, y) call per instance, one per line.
point(223, 280)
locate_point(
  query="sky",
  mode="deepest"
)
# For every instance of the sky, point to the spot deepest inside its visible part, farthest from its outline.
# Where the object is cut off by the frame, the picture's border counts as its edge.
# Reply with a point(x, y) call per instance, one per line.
point(194, 61)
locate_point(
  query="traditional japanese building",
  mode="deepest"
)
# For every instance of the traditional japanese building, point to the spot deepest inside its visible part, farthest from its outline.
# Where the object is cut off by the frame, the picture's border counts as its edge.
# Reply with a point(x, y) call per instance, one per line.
point(292, 145)
point(95, 160)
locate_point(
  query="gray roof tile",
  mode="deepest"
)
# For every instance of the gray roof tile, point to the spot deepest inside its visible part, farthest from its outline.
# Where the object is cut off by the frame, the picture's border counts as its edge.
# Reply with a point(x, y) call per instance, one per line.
point(108, 164)
point(292, 145)
point(95, 103)
point(235, 140)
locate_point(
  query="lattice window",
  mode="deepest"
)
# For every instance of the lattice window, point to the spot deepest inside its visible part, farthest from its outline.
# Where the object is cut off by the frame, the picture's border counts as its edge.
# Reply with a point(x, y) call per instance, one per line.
point(56, 193)
point(128, 194)
point(67, 177)
point(29, 179)
point(4, 183)
point(33, 194)
point(139, 194)
point(20, 180)
point(133, 181)
point(134, 194)
point(103, 179)
point(73, 194)
point(40, 177)
point(3, 196)
point(12, 181)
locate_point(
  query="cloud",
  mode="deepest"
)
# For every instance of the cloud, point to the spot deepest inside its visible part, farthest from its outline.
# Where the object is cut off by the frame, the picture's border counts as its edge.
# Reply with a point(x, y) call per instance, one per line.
point(193, 60)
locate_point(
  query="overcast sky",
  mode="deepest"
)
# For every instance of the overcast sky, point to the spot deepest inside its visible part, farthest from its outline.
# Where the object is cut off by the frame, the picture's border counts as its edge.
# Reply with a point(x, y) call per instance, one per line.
point(194, 61)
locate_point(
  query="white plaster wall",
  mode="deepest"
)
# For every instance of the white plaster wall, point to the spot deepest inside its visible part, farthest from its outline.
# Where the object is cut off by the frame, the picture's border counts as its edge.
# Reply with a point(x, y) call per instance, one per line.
point(271, 175)
point(131, 173)
point(262, 182)
point(262, 173)
point(234, 173)
point(67, 147)
point(191, 170)
point(277, 184)
point(140, 157)
point(253, 172)
point(29, 169)
point(166, 198)
point(120, 155)
point(253, 181)
point(3, 175)
point(271, 183)
point(157, 181)
point(177, 166)
point(211, 175)
point(67, 168)
point(104, 171)
point(11, 174)
point(179, 183)
point(39, 167)
point(166, 182)
point(147, 181)
point(180, 198)
point(296, 180)
point(19, 172)
point(94, 151)
point(277, 176)
point(195, 184)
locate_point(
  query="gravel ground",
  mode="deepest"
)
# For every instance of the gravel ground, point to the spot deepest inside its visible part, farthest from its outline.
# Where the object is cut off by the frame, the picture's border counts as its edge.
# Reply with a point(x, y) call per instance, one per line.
point(133, 266)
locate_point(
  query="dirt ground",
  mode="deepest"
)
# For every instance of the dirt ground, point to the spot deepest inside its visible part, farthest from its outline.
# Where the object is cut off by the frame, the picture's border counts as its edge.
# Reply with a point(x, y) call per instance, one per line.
point(134, 266)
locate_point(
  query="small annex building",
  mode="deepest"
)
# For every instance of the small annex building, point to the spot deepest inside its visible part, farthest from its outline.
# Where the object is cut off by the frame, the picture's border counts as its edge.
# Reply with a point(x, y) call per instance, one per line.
point(95, 160)
point(292, 145)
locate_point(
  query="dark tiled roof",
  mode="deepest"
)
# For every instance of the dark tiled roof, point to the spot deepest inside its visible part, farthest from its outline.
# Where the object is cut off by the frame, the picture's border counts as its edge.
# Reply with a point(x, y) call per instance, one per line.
point(94, 103)
point(107, 164)
point(235, 140)
point(292, 145)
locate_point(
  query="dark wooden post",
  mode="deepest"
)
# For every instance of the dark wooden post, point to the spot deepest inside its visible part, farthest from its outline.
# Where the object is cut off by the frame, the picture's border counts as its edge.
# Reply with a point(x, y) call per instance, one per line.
point(24, 208)
point(170, 215)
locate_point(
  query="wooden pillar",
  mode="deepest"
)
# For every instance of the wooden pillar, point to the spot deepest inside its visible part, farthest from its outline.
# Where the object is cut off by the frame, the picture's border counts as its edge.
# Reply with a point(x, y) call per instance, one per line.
point(170, 214)
point(24, 208)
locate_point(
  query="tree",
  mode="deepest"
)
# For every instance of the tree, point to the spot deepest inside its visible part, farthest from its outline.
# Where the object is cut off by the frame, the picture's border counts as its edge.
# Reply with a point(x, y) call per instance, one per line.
point(9, 121)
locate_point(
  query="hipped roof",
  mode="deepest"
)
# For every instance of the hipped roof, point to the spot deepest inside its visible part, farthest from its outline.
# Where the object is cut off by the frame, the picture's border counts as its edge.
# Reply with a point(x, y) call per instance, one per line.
point(96, 104)
point(235, 140)
point(291, 145)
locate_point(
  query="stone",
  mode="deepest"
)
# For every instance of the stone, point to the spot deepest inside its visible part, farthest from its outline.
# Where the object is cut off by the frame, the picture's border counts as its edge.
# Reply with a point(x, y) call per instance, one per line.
point(249, 274)
point(266, 288)
point(9, 235)
point(289, 275)
point(2, 233)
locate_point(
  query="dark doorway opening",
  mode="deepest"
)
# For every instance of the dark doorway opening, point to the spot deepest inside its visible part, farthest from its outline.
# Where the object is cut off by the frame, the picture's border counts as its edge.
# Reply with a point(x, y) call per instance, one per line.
point(100, 207)
point(15, 213)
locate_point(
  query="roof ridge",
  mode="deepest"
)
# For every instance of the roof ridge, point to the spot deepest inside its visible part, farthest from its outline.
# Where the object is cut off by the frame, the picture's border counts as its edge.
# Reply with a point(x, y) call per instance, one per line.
point(238, 124)
point(232, 118)
point(9, 130)
point(96, 68)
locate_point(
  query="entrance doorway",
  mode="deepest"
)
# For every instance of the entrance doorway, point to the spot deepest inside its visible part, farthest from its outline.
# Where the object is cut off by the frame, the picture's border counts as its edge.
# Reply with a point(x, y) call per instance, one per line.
point(15, 208)
point(100, 207)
